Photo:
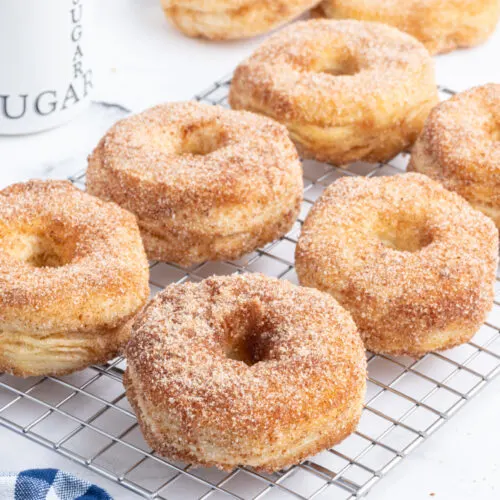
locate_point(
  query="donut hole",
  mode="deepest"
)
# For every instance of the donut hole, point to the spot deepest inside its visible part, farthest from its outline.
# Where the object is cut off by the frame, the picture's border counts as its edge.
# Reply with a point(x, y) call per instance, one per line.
point(202, 141)
point(245, 330)
point(340, 67)
point(404, 235)
point(244, 348)
point(36, 250)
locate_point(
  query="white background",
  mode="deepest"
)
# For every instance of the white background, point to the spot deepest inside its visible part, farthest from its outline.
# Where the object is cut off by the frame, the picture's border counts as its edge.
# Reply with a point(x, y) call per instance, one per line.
point(143, 61)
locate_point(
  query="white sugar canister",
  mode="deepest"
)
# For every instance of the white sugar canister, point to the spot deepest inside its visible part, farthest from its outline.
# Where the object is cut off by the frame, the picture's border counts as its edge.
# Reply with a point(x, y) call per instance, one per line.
point(46, 73)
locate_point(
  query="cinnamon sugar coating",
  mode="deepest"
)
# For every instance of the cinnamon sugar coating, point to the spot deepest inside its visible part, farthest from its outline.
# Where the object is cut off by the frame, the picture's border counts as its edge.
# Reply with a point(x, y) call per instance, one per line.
point(414, 263)
point(73, 272)
point(346, 90)
point(244, 370)
point(460, 147)
point(441, 25)
point(205, 183)
point(231, 19)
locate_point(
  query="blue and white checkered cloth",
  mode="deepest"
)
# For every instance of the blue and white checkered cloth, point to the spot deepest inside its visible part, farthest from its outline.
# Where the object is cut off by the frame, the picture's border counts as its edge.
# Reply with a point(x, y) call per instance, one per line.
point(47, 484)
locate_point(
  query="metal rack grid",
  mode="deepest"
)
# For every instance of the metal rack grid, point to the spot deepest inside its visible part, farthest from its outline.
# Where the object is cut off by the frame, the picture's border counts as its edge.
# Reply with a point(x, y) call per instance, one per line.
point(86, 417)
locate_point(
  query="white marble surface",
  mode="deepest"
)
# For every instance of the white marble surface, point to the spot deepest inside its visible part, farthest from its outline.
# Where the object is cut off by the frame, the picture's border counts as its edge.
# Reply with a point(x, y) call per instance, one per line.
point(143, 62)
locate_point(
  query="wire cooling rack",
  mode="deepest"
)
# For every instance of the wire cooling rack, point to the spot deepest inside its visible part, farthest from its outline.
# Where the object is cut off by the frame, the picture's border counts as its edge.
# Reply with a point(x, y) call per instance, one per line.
point(86, 417)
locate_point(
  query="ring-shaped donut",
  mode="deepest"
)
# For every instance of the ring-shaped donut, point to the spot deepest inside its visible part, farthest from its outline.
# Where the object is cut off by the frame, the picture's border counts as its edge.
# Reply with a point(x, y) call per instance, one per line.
point(460, 147)
point(206, 183)
point(244, 370)
point(441, 25)
point(231, 19)
point(414, 263)
point(346, 90)
point(73, 272)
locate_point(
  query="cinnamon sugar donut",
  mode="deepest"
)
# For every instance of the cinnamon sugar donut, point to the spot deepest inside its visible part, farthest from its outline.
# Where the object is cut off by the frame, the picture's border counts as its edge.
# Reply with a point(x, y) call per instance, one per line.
point(414, 263)
point(73, 272)
point(460, 147)
point(229, 19)
point(441, 25)
point(206, 183)
point(244, 370)
point(346, 90)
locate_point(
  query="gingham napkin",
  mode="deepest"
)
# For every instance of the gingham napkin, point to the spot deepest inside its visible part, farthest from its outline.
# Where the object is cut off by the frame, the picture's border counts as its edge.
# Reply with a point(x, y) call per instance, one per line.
point(47, 484)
